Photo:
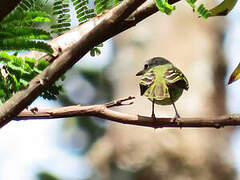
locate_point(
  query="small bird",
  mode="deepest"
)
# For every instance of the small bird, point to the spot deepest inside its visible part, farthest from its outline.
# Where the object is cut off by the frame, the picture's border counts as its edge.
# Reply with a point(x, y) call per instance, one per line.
point(162, 83)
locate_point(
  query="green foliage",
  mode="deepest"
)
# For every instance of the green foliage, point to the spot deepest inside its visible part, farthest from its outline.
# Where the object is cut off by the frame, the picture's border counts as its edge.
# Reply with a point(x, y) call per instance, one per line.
point(164, 6)
point(44, 175)
point(17, 72)
point(61, 11)
point(203, 12)
point(103, 5)
point(23, 33)
point(17, 31)
point(83, 10)
point(23, 44)
point(96, 50)
point(32, 5)
point(192, 3)
point(24, 18)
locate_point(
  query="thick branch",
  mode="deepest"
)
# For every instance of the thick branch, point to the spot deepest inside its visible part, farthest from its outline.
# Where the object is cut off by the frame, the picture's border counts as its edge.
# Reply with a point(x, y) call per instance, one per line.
point(7, 6)
point(104, 112)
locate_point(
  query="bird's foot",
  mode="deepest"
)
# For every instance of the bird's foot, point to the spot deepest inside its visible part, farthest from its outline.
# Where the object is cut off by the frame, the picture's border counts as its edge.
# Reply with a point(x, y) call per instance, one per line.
point(154, 117)
point(176, 120)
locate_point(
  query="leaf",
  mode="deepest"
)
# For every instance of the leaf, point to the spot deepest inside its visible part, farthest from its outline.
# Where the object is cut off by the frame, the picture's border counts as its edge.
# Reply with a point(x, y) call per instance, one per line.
point(203, 12)
point(32, 5)
point(17, 31)
point(24, 18)
point(84, 12)
point(23, 44)
point(223, 8)
point(192, 3)
point(103, 5)
point(23, 33)
point(235, 75)
point(19, 73)
point(61, 11)
point(164, 6)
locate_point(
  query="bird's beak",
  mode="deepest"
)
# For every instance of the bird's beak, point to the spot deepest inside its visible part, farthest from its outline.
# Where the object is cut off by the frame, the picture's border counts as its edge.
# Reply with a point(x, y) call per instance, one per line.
point(139, 73)
point(235, 75)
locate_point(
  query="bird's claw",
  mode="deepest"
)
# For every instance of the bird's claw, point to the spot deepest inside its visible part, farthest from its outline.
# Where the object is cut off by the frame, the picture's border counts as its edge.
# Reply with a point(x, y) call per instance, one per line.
point(176, 120)
point(154, 118)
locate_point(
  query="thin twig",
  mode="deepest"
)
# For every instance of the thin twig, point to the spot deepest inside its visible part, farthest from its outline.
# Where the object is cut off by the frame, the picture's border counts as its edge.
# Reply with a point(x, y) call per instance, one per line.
point(119, 102)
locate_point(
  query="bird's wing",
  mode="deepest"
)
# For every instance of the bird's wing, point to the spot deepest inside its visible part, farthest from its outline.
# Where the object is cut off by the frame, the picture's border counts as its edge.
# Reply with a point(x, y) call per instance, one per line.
point(174, 76)
point(146, 81)
point(152, 87)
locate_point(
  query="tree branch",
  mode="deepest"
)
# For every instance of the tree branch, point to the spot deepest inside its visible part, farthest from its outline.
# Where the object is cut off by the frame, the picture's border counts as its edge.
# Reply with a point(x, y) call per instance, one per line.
point(104, 112)
point(6, 7)
point(72, 46)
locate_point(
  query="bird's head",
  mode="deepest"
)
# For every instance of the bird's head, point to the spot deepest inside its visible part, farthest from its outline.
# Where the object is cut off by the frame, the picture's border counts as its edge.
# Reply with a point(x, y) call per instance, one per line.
point(156, 61)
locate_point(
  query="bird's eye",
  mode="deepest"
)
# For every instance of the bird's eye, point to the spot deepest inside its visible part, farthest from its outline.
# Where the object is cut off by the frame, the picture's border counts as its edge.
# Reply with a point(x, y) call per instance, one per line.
point(145, 66)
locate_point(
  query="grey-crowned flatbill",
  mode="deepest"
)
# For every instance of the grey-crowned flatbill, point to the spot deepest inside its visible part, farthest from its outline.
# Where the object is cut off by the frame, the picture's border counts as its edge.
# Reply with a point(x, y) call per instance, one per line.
point(162, 83)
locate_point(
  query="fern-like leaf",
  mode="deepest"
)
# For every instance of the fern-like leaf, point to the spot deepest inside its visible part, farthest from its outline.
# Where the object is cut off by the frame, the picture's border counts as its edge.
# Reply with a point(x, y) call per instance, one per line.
point(61, 11)
point(83, 11)
point(32, 5)
point(192, 3)
point(164, 6)
point(25, 18)
point(23, 44)
point(103, 5)
point(23, 32)
point(96, 50)
point(18, 73)
point(17, 31)
point(203, 12)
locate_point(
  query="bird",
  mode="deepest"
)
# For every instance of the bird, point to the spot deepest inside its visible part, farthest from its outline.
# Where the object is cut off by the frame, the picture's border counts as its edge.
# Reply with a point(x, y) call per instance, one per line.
point(162, 83)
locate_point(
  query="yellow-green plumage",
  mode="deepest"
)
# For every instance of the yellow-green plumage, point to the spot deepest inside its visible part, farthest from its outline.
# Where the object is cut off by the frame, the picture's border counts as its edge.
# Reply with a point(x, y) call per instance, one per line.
point(161, 82)
point(158, 89)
